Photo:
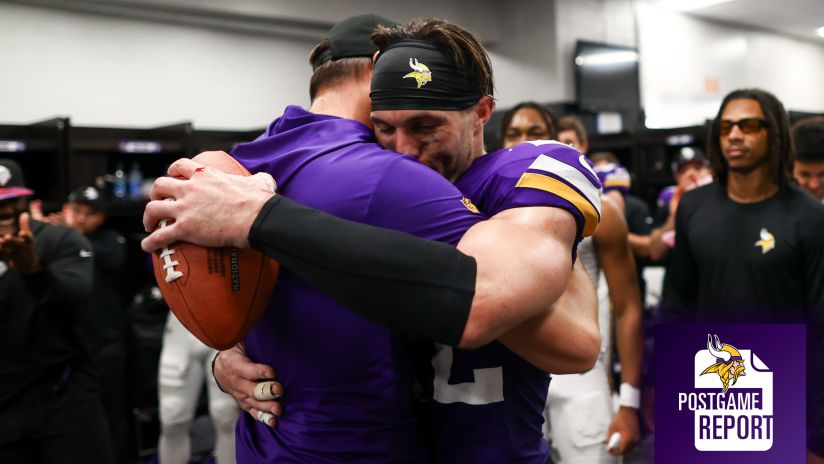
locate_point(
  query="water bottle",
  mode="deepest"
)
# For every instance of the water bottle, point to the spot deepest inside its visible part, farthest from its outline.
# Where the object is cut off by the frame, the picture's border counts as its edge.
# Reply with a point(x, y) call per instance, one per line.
point(135, 182)
point(119, 188)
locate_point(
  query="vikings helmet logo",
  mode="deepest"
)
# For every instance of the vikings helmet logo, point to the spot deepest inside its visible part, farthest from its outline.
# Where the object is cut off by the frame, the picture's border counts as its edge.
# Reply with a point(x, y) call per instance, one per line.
point(421, 73)
point(728, 362)
point(767, 241)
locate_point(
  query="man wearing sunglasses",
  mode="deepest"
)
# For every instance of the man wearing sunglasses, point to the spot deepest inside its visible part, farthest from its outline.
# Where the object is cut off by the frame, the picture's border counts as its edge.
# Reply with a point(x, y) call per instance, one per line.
point(749, 247)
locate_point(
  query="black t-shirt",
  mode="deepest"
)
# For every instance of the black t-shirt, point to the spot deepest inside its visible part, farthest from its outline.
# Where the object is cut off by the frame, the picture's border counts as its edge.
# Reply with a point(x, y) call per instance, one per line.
point(107, 320)
point(637, 215)
point(757, 262)
point(39, 313)
point(639, 222)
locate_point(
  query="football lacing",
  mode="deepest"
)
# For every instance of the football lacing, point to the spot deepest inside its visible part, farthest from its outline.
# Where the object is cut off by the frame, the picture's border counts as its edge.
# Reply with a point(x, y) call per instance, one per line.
point(169, 265)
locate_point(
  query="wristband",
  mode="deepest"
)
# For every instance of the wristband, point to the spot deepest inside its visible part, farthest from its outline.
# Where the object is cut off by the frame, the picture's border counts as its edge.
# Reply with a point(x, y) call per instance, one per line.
point(630, 396)
point(214, 360)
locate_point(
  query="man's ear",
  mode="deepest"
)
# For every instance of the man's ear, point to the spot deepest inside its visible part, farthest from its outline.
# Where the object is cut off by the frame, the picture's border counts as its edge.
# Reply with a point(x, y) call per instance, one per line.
point(484, 108)
point(375, 57)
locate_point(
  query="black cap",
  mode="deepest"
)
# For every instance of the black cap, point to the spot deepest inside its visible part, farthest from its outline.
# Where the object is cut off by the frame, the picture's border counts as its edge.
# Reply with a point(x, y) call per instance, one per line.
point(89, 195)
point(687, 155)
point(352, 38)
point(11, 180)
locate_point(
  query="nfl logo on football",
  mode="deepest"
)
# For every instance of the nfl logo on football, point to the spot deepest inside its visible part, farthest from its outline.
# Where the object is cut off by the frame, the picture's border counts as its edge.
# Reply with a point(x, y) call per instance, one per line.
point(732, 399)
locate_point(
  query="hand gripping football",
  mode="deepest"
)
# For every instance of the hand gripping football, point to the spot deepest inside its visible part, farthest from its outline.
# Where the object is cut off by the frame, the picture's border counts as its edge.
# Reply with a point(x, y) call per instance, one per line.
point(218, 294)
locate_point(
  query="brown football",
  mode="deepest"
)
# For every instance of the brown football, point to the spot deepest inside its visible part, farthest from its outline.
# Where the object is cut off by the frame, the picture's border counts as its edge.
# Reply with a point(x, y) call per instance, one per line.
point(218, 294)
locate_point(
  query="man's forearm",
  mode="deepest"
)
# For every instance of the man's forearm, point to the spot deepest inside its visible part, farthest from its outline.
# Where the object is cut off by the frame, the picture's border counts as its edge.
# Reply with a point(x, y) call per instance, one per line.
point(415, 286)
point(640, 245)
point(658, 249)
point(565, 339)
point(630, 342)
point(524, 263)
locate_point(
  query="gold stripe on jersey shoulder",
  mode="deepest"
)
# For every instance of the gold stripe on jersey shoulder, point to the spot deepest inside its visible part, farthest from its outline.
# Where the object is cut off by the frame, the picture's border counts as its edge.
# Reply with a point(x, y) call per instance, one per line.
point(617, 183)
point(556, 187)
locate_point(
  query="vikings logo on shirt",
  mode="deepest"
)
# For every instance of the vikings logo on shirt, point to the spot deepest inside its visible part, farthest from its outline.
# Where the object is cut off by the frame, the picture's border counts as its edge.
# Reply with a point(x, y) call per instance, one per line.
point(3, 268)
point(421, 73)
point(767, 241)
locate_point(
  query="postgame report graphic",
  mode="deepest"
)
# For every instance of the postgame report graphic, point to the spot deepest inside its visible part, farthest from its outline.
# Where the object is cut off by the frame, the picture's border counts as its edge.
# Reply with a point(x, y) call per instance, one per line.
point(730, 416)
point(729, 393)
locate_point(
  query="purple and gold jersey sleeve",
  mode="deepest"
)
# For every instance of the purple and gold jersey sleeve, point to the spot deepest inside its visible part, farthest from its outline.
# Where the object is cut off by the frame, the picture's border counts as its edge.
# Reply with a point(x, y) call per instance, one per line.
point(537, 173)
point(562, 172)
point(614, 178)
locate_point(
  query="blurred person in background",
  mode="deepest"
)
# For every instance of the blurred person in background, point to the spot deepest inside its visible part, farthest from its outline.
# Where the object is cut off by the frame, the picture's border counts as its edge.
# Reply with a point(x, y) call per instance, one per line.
point(50, 411)
point(528, 121)
point(185, 364)
point(580, 405)
point(691, 170)
point(105, 328)
point(571, 131)
point(808, 168)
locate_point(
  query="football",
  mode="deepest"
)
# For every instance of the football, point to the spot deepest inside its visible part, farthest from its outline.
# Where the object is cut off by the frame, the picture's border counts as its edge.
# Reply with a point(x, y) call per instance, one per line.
point(218, 294)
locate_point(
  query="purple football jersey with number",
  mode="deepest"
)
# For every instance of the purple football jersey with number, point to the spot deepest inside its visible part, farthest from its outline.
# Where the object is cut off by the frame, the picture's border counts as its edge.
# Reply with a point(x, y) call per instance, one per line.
point(347, 380)
point(487, 404)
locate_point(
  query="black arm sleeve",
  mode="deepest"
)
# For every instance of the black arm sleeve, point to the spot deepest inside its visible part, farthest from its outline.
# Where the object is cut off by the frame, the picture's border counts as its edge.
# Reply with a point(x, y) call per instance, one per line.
point(418, 287)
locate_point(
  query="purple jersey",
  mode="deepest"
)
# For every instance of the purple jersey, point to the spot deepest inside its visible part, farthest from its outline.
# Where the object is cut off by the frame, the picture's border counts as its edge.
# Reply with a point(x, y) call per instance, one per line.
point(488, 403)
point(348, 380)
point(614, 178)
point(665, 197)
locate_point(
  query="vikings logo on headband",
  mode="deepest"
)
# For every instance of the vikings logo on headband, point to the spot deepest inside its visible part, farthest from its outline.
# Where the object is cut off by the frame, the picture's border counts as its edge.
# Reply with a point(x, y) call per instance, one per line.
point(455, 89)
point(421, 73)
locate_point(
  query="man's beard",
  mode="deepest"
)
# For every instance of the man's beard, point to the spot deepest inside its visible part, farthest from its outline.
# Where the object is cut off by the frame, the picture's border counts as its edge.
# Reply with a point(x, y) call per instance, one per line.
point(744, 169)
point(748, 168)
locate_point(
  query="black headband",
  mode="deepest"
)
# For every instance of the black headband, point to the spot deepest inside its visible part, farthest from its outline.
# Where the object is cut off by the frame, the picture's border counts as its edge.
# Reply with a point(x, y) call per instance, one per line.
point(416, 75)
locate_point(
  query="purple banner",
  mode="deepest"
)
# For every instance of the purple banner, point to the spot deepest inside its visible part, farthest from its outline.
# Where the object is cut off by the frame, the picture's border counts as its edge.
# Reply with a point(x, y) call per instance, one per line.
point(731, 393)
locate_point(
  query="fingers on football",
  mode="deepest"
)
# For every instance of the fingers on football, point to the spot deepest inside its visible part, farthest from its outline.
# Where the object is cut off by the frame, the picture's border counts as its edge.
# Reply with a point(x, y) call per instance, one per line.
point(159, 238)
point(166, 187)
point(184, 167)
point(158, 210)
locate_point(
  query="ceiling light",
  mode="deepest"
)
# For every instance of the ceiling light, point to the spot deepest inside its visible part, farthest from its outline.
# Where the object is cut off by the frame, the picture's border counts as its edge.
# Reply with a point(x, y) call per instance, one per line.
point(595, 59)
point(690, 5)
point(820, 31)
